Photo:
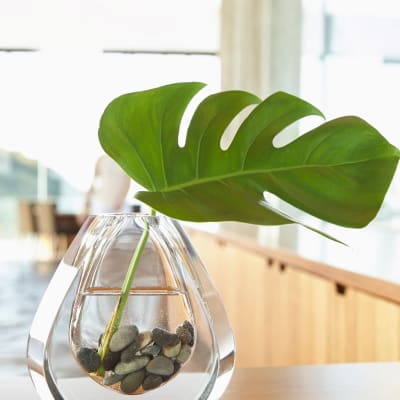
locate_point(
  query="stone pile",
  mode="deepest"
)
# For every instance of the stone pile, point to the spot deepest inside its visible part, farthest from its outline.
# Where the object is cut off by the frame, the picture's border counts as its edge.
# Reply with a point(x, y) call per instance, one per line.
point(141, 359)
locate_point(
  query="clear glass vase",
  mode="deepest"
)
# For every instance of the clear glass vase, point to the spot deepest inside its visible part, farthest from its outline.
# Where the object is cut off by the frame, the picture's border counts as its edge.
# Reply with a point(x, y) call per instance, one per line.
point(173, 338)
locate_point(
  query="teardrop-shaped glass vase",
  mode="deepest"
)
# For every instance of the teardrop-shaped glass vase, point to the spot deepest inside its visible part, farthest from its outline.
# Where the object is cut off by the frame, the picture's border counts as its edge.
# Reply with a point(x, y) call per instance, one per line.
point(172, 339)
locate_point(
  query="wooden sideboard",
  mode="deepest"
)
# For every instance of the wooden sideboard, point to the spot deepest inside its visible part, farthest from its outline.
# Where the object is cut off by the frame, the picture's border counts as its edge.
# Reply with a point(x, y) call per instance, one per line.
point(287, 310)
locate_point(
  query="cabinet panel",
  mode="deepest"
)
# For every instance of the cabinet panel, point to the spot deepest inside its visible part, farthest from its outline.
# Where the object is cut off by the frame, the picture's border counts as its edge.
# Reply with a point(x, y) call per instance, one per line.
point(377, 329)
point(309, 317)
point(282, 315)
point(388, 331)
point(363, 328)
point(342, 326)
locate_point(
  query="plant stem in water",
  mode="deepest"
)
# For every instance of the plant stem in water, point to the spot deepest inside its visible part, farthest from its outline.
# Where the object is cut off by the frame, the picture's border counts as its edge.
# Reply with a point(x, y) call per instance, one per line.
point(116, 316)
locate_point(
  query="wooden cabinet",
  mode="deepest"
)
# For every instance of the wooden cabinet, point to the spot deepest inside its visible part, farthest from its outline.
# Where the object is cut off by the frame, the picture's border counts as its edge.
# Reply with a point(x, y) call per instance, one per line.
point(283, 313)
point(363, 328)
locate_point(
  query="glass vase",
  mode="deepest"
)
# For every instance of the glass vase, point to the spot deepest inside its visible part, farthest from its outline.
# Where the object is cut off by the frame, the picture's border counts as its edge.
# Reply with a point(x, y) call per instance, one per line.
point(172, 340)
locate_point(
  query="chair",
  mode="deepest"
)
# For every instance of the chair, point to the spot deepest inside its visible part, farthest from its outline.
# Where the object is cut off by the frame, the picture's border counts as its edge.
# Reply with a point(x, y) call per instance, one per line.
point(45, 218)
point(53, 244)
point(26, 225)
point(27, 234)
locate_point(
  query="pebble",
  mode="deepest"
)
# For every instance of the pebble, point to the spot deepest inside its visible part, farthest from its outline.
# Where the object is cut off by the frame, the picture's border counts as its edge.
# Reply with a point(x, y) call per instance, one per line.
point(129, 353)
point(187, 325)
point(184, 354)
point(184, 335)
point(123, 337)
point(132, 381)
point(112, 379)
point(160, 365)
point(152, 382)
point(164, 338)
point(111, 360)
point(172, 351)
point(177, 367)
point(152, 350)
point(144, 339)
point(89, 359)
point(144, 359)
point(137, 363)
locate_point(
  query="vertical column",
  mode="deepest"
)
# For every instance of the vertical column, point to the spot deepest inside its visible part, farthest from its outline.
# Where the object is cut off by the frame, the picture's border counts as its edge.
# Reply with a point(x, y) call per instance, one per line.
point(260, 53)
point(261, 45)
point(42, 190)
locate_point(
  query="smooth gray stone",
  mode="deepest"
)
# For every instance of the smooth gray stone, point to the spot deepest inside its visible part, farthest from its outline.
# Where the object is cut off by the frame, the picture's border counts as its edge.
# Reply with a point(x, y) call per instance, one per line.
point(137, 363)
point(164, 338)
point(132, 381)
point(184, 354)
point(152, 350)
point(152, 382)
point(113, 378)
point(129, 353)
point(160, 365)
point(123, 337)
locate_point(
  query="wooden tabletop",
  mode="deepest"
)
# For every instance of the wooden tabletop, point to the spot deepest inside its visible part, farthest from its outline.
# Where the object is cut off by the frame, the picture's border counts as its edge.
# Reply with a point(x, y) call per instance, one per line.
point(378, 381)
point(375, 381)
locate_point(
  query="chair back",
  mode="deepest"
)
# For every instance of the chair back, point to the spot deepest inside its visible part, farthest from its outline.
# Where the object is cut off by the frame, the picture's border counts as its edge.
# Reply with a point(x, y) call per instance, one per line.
point(26, 218)
point(45, 216)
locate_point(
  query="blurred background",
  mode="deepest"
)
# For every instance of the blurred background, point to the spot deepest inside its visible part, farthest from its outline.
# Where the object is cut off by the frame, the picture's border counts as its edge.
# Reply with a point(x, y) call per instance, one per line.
point(62, 62)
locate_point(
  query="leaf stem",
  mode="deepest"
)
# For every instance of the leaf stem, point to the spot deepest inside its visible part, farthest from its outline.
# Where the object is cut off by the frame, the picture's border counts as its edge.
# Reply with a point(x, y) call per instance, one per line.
point(116, 316)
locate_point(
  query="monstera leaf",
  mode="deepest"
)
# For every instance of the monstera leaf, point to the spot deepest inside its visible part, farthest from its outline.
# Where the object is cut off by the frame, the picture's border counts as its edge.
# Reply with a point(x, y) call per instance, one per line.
point(338, 172)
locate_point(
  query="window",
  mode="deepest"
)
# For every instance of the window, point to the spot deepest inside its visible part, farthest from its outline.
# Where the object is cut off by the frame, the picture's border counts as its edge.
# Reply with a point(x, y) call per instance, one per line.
point(351, 65)
point(63, 62)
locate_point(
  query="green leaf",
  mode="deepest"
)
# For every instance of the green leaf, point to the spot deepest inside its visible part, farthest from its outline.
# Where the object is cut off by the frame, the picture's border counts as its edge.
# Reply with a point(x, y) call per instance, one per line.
point(338, 172)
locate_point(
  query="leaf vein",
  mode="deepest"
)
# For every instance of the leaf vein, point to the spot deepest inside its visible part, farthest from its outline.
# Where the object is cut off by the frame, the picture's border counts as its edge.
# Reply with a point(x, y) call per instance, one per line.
point(162, 154)
point(198, 181)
